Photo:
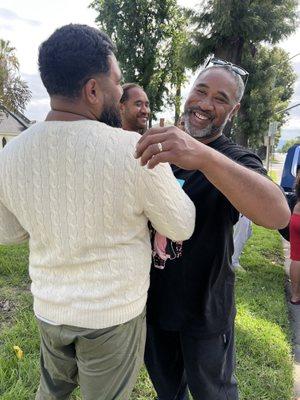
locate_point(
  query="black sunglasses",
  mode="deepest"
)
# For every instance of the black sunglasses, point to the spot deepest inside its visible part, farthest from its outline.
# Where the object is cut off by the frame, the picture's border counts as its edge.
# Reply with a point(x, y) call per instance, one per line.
point(235, 68)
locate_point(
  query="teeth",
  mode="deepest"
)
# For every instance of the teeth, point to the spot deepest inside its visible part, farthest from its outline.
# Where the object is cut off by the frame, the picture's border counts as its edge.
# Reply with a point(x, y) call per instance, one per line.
point(199, 116)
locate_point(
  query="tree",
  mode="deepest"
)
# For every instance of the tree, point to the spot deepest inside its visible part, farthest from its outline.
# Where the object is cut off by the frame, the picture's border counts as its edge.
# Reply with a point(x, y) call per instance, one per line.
point(234, 29)
point(14, 92)
point(289, 143)
point(148, 35)
point(268, 92)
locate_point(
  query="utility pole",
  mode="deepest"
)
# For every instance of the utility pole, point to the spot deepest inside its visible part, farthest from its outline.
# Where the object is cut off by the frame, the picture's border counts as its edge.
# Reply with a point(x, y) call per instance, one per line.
point(269, 139)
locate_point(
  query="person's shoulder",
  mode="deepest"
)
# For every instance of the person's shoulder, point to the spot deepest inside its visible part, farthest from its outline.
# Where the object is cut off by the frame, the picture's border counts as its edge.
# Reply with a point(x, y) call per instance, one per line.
point(120, 134)
point(297, 208)
point(240, 154)
point(18, 140)
point(236, 151)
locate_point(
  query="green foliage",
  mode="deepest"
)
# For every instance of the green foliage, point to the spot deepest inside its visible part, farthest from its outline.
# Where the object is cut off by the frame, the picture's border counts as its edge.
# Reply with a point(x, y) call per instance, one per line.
point(14, 92)
point(269, 89)
point(148, 35)
point(235, 31)
point(288, 144)
point(224, 27)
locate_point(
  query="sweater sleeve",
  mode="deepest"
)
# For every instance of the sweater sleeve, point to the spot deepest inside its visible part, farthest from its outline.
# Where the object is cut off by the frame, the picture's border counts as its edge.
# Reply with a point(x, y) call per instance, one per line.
point(166, 205)
point(10, 229)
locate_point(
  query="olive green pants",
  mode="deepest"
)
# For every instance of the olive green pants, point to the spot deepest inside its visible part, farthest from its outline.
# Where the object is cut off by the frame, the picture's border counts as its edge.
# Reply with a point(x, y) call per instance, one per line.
point(105, 363)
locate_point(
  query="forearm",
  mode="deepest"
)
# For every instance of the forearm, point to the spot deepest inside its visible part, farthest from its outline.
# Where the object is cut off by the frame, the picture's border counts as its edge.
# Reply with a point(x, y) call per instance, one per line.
point(249, 192)
point(169, 209)
point(252, 194)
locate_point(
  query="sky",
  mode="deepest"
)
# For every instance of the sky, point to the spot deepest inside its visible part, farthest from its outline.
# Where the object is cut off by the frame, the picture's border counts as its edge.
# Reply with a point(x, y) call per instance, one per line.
point(28, 23)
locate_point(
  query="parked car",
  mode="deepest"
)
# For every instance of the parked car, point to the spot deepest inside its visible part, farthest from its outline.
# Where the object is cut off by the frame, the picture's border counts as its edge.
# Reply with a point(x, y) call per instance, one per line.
point(290, 168)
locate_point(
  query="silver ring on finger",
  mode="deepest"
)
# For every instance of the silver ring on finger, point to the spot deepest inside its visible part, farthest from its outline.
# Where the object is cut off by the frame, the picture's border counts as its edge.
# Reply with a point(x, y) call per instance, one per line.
point(160, 148)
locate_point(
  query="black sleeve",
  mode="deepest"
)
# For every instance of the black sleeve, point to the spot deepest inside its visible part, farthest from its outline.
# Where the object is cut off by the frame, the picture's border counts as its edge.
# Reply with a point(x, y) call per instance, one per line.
point(251, 161)
point(285, 232)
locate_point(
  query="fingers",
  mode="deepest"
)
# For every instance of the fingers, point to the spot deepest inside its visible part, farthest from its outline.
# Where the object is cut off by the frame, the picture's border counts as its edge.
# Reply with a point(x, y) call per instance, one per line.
point(152, 150)
point(152, 131)
point(165, 156)
point(151, 139)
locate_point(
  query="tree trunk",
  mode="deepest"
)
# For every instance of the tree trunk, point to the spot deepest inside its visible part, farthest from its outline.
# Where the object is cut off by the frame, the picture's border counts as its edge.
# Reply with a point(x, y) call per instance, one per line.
point(242, 139)
point(232, 51)
point(227, 129)
point(177, 103)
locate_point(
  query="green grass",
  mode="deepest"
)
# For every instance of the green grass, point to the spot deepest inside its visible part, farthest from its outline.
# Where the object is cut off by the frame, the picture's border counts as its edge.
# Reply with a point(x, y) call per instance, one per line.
point(264, 365)
point(273, 175)
point(263, 336)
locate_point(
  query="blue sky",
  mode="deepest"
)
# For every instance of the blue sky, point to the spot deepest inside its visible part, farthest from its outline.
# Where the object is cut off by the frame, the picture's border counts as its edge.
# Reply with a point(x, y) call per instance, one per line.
point(26, 24)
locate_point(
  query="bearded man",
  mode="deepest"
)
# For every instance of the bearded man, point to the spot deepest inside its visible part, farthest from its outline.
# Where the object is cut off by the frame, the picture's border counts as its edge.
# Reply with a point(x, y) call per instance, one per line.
point(135, 108)
point(72, 186)
point(191, 311)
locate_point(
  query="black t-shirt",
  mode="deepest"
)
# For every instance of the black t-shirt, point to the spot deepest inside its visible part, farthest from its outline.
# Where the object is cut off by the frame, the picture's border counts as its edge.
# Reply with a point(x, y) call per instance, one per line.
point(194, 293)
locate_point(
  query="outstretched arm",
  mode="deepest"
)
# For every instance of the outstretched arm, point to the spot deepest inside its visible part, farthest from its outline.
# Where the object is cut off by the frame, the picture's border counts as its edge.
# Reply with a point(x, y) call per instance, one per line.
point(250, 193)
point(170, 210)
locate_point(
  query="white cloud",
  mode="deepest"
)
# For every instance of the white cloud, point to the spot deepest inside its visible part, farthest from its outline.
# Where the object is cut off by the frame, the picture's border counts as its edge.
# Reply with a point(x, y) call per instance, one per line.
point(10, 15)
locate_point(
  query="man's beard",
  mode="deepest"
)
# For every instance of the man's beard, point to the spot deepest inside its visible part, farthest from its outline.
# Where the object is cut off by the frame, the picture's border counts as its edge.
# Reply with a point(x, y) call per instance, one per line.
point(205, 133)
point(111, 116)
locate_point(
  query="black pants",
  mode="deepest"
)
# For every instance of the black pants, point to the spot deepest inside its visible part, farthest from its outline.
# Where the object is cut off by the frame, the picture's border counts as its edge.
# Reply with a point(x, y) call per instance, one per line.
point(177, 361)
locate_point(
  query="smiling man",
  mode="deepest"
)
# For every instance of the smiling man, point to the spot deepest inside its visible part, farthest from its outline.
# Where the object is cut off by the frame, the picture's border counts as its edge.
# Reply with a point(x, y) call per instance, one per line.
point(191, 311)
point(135, 108)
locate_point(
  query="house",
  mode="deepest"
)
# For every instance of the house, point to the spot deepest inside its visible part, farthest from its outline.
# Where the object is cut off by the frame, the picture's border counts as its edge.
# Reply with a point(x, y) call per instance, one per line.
point(11, 124)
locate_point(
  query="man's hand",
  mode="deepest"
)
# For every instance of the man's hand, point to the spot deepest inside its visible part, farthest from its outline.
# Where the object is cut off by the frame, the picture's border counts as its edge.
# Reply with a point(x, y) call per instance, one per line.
point(242, 186)
point(169, 144)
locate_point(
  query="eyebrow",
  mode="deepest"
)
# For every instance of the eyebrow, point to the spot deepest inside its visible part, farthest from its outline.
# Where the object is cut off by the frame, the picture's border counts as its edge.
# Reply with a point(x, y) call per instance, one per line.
point(223, 94)
point(141, 101)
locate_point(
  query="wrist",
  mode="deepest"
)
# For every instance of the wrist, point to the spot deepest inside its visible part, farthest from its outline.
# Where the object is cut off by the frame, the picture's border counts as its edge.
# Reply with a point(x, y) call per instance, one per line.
point(202, 156)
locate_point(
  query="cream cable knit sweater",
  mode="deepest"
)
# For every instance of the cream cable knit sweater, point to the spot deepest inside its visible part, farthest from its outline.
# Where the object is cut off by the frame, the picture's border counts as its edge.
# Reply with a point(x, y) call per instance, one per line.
point(76, 191)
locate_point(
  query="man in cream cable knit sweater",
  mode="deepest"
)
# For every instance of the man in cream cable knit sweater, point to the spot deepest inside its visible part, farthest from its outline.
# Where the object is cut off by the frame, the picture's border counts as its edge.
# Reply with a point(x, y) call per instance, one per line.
point(72, 186)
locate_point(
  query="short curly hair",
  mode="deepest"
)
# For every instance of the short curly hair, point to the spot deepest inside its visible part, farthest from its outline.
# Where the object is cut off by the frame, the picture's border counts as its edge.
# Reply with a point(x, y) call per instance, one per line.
point(71, 56)
point(126, 87)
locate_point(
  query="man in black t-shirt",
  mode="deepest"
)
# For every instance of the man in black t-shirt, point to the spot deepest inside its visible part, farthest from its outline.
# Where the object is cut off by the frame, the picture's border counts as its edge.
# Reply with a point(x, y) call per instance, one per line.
point(191, 310)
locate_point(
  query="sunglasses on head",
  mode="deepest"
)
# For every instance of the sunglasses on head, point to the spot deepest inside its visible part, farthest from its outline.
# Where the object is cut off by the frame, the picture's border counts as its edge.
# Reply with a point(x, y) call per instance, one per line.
point(235, 68)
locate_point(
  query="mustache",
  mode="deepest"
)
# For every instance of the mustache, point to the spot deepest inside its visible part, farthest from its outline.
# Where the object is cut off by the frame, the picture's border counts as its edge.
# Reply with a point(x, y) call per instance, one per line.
point(192, 109)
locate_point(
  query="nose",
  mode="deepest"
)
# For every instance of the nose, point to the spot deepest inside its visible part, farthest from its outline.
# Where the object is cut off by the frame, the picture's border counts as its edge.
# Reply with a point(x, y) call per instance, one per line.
point(145, 109)
point(206, 104)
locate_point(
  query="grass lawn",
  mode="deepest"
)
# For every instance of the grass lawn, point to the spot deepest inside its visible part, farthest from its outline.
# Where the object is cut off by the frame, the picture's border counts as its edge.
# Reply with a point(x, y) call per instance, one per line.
point(273, 175)
point(264, 364)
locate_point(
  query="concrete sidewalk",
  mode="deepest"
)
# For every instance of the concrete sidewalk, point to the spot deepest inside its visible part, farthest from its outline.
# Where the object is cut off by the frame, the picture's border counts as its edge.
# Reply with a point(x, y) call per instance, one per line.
point(294, 314)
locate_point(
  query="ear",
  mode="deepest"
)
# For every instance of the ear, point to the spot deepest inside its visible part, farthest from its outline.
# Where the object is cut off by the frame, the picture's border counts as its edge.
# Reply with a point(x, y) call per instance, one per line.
point(122, 108)
point(92, 92)
point(234, 111)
